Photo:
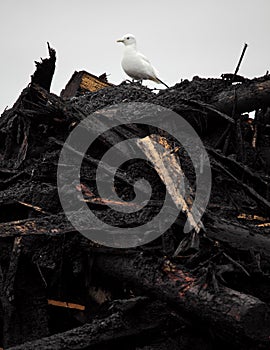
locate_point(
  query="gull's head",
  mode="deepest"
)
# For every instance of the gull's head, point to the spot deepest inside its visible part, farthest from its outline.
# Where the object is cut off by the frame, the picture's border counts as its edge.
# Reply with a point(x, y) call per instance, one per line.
point(127, 39)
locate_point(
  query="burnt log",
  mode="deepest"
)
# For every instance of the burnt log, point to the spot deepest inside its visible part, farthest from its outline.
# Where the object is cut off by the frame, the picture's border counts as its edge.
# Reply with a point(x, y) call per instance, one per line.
point(128, 323)
point(234, 316)
point(237, 237)
point(245, 97)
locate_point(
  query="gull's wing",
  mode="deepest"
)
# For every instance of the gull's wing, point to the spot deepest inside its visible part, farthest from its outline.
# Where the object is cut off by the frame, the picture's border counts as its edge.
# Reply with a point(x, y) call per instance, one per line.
point(152, 70)
point(146, 60)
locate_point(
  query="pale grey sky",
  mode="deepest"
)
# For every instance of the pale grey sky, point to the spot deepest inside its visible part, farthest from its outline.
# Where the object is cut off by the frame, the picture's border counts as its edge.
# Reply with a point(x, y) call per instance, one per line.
point(182, 38)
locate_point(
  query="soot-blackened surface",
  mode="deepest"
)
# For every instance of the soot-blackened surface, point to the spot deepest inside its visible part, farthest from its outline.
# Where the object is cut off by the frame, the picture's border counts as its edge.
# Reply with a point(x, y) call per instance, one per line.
point(60, 267)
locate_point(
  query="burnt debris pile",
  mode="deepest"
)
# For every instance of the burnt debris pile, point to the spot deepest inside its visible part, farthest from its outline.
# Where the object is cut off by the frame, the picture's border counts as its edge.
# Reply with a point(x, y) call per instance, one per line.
point(204, 289)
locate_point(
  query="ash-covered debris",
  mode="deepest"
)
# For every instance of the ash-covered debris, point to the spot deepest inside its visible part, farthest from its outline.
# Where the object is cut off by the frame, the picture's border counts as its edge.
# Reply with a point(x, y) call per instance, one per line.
point(57, 287)
point(199, 89)
point(125, 92)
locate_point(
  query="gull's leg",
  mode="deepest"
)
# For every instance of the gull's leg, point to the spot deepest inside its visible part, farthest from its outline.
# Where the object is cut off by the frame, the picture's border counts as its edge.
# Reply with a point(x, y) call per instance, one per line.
point(137, 81)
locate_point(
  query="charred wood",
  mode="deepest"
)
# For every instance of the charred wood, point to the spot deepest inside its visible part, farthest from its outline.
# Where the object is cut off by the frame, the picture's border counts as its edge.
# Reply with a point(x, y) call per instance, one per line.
point(251, 96)
point(127, 323)
point(233, 315)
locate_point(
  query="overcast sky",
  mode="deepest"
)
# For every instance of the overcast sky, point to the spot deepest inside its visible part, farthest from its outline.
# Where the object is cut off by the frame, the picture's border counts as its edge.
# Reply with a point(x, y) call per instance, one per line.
point(182, 38)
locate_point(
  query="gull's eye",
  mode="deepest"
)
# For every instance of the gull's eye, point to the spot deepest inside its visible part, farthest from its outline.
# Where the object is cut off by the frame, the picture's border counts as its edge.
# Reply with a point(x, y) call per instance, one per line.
point(128, 38)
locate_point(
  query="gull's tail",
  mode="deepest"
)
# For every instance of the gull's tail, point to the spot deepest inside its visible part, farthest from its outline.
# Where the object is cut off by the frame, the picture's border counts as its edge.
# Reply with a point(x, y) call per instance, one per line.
point(157, 80)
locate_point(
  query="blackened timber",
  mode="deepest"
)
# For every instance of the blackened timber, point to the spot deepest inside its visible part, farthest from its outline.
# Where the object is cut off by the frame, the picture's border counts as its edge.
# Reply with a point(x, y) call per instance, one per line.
point(238, 237)
point(252, 95)
point(233, 315)
point(45, 70)
point(118, 330)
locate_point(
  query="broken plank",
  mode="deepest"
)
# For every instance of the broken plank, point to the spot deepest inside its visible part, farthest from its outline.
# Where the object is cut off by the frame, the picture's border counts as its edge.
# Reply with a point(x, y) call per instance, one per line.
point(168, 167)
point(57, 224)
point(83, 81)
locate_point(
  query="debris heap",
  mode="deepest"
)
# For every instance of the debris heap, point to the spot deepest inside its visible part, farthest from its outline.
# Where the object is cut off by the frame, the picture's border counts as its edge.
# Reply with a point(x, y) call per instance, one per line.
point(206, 289)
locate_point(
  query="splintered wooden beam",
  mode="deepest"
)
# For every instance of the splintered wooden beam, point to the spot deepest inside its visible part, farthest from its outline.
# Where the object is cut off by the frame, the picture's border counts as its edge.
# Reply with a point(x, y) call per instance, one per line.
point(59, 224)
point(233, 315)
point(168, 167)
point(45, 70)
point(48, 225)
point(91, 198)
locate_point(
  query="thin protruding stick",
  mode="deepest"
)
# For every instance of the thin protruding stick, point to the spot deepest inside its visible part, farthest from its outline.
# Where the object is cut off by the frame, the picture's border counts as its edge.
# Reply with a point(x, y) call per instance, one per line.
point(240, 60)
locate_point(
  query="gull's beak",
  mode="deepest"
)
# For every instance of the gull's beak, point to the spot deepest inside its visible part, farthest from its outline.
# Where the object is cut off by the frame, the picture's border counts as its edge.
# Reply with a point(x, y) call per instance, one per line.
point(120, 41)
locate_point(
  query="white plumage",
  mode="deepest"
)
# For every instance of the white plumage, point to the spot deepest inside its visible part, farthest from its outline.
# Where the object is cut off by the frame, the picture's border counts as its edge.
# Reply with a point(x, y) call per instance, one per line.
point(135, 64)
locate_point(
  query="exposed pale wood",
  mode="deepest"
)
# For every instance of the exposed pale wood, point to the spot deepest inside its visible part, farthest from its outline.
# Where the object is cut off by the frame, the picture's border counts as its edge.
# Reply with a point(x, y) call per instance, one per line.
point(66, 304)
point(168, 167)
point(83, 81)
